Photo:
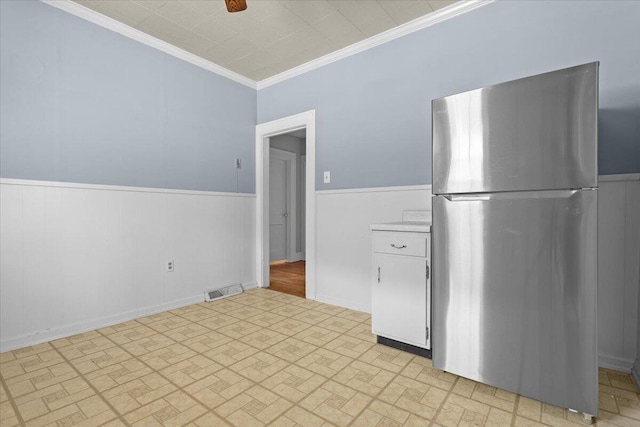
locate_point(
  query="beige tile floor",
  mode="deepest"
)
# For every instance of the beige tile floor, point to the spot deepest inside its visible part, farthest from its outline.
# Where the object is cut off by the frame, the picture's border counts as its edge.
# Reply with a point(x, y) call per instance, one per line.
point(262, 358)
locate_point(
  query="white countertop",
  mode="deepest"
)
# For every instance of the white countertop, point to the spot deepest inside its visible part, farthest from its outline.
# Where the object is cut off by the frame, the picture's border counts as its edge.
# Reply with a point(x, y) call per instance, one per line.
point(408, 226)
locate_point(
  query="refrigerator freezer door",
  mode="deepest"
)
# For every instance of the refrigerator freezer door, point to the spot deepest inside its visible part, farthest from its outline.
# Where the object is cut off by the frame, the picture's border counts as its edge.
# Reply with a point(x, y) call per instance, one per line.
point(535, 133)
point(514, 293)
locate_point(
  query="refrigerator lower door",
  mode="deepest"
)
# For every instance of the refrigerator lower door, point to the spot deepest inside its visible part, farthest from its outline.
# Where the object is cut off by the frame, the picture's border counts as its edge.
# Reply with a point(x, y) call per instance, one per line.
point(514, 293)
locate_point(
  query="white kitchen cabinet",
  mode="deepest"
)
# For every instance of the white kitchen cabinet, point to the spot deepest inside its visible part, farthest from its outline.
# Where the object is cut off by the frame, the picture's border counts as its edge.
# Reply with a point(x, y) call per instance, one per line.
point(401, 296)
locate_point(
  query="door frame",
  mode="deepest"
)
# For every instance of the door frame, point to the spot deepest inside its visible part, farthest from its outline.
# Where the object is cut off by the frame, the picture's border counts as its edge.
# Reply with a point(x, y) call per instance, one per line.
point(303, 174)
point(305, 120)
point(290, 193)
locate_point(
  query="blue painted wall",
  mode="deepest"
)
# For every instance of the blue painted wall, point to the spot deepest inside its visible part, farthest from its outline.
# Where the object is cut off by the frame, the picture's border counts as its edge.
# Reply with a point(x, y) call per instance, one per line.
point(373, 109)
point(80, 103)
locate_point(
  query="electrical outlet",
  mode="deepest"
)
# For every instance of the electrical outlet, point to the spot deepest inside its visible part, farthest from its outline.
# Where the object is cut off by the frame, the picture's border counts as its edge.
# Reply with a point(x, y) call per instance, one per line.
point(327, 177)
point(170, 266)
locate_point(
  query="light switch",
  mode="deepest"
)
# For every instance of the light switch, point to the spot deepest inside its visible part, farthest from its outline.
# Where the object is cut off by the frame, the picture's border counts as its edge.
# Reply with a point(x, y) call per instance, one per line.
point(327, 177)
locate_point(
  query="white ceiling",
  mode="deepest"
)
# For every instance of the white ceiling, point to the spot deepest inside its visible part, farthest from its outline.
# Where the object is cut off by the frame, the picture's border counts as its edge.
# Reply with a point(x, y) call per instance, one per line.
point(269, 37)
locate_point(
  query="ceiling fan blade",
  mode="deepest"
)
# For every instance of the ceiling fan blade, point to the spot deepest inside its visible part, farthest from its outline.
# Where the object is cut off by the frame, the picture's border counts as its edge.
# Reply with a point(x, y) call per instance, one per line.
point(236, 5)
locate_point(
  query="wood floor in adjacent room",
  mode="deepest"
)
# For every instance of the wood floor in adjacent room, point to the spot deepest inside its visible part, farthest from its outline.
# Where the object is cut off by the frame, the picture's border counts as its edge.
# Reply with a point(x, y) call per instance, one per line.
point(262, 358)
point(288, 277)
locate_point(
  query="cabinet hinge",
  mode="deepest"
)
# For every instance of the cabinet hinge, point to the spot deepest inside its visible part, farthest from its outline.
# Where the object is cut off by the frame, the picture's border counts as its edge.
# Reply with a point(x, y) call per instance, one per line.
point(427, 332)
point(427, 271)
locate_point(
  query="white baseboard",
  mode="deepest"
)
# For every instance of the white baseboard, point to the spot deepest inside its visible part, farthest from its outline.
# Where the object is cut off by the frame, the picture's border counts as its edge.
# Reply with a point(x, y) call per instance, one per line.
point(79, 328)
point(351, 305)
point(298, 256)
point(615, 363)
point(636, 377)
point(635, 371)
point(249, 285)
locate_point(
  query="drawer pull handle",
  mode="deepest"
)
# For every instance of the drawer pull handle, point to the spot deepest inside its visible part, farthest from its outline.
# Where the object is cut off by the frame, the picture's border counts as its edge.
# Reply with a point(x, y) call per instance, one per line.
point(378, 274)
point(398, 247)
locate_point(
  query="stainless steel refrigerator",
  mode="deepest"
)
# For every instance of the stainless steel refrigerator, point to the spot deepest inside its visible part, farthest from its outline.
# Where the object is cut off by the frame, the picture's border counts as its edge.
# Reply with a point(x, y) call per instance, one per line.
point(514, 236)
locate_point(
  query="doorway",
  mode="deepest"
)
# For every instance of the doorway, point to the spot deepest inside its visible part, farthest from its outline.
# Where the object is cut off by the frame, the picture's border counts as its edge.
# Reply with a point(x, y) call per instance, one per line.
point(286, 212)
point(297, 231)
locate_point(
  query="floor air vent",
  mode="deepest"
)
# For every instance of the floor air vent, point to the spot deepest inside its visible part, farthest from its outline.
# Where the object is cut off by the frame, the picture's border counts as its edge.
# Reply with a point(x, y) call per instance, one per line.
point(227, 291)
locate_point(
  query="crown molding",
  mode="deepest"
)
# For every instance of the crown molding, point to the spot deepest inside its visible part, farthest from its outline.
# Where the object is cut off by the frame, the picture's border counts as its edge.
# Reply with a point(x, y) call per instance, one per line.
point(417, 24)
point(139, 36)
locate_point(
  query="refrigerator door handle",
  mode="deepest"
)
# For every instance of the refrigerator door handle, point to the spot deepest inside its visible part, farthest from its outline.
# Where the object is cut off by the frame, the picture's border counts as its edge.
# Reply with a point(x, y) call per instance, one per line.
point(513, 195)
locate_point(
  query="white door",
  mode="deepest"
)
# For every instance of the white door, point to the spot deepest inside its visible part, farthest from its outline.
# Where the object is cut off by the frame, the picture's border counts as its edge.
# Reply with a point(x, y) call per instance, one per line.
point(277, 209)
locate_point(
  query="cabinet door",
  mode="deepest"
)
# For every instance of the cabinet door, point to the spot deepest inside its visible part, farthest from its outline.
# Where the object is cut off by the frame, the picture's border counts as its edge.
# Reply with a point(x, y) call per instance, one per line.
point(399, 304)
point(429, 294)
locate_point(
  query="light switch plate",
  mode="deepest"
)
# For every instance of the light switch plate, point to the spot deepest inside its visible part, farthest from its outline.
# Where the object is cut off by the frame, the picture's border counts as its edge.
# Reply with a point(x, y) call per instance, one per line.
point(327, 177)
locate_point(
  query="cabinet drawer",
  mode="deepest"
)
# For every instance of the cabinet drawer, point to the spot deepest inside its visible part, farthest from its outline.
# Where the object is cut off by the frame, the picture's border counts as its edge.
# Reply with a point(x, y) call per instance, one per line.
point(400, 245)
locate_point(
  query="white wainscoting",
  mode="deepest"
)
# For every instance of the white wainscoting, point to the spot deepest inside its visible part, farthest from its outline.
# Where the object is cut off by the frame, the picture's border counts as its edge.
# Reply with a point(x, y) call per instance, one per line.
point(343, 246)
point(344, 253)
point(635, 371)
point(618, 269)
point(75, 257)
